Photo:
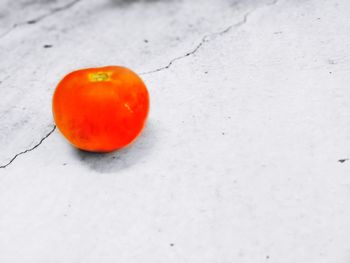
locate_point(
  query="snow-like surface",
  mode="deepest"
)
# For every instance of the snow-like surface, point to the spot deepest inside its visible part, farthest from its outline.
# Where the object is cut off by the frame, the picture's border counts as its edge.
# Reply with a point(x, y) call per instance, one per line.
point(244, 158)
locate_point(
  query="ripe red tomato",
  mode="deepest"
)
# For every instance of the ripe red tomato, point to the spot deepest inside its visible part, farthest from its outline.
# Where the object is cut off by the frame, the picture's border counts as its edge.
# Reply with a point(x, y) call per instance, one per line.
point(101, 109)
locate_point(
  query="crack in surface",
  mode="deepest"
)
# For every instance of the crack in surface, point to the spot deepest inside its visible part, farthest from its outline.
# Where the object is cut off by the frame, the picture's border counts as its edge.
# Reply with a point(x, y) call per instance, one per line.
point(39, 18)
point(53, 11)
point(5, 78)
point(206, 38)
point(30, 149)
point(8, 31)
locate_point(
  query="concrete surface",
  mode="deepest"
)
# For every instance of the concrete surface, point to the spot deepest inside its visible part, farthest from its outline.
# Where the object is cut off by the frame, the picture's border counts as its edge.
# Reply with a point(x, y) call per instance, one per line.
point(245, 155)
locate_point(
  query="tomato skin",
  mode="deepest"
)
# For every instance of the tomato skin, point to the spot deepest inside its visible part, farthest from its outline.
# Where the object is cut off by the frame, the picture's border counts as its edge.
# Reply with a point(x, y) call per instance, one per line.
point(101, 109)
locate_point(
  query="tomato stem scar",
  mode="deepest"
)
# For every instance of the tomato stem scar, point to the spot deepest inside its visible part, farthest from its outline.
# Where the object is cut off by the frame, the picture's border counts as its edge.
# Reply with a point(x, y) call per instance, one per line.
point(100, 76)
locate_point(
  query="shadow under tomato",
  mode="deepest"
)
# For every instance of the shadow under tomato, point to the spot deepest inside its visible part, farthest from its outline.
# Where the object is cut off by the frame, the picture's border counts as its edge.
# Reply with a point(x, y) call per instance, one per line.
point(121, 159)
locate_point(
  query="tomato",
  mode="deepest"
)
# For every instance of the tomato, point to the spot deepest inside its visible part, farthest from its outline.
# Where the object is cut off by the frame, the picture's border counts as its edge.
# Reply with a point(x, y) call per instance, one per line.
point(101, 109)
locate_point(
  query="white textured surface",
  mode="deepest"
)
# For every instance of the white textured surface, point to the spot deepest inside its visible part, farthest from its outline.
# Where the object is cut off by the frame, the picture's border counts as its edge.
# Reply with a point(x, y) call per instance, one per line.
point(240, 158)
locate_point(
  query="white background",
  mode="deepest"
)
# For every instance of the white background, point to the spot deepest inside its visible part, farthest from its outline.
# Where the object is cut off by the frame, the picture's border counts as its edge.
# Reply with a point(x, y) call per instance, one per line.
point(239, 162)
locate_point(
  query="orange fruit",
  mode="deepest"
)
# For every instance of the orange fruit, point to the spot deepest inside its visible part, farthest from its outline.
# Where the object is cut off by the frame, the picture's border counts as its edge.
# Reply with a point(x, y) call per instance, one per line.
point(101, 109)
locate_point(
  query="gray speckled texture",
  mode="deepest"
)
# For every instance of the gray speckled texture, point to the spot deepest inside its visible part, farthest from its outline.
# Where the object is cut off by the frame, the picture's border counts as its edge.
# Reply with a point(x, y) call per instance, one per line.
point(245, 154)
